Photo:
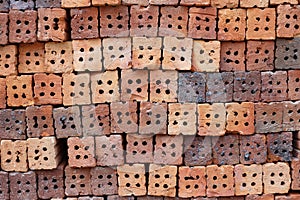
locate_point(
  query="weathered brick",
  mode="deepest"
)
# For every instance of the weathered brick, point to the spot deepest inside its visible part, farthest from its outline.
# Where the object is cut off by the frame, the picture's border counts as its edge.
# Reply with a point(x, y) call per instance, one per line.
point(21, 5)
point(67, 122)
point(105, 2)
point(23, 185)
point(32, 58)
point(146, 53)
point(4, 6)
point(116, 53)
point(274, 2)
point(202, 22)
point(77, 181)
point(114, 21)
point(76, 89)
point(261, 24)
point(253, 149)
point(134, 2)
point(14, 155)
point(150, 198)
point(274, 86)
point(240, 118)
point(224, 3)
point(225, 150)
point(195, 2)
point(3, 27)
point(231, 198)
point(22, 26)
point(173, 21)
point(109, 150)
point(220, 180)
point(260, 55)
point(291, 116)
point(81, 152)
point(295, 173)
point(162, 2)
point(206, 56)
point(215, 81)
point(287, 53)
point(2, 93)
point(192, 181)
point(248, 179)
point(290, 196)
point(233, 56)
point(12, 124)
point(19, 90)
point(247, 86)
point(197, 151)
point(293, 81)
point(75, 3)
point(8, 60)
point(48, 4)
point(58, 57)
point(4, 186)
point(104, 181)
point(39, 121)
point(279, 146)
point(287, 23)
point(117, 197)
point(95, 120)
point(168, 149)
point(139, 148)
point(276, 178)
point(162, 180)
point(260, 197)
point(254, 3)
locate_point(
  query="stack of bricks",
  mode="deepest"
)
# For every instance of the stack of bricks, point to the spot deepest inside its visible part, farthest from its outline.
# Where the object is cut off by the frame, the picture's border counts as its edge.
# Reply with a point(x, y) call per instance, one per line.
point(150, 99)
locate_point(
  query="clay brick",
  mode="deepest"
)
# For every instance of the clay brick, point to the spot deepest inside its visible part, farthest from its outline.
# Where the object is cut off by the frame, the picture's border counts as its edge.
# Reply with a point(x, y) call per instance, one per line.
point(8, 60)
point(231, 198)
point(105, 2)
point(77, 181)
point(67, 122)
point(162, 180)
point(248, 179)
point(76, 89)
point(206, 56)
point(139, 148)
point(195, 2)
point(153, 118)
point(48, 4)
point(39, 121)
point(295, 173)
point(134, 85)
point(225, 150)
point(75, 3)
point(4, 186)
point(205, 198)
point(47, 89)
point(291, 116)
point(291, 196)
point(3, 27)
point(95, 120)
point(260, 55)
point(293, 81)
point(90, 198)
point(215, 81)
point(162, 2)
point(114, 21)
point(173, 21)
point(2, 93)
point(232, 24)
point(211, 119)
point(274, 86)
point(144, 21)
point(163, 86)
point(192, 182)
point(247, 86)
point(276, 178)
point(117, 197)
point(280, 146)
point(109, 150)
point(14, 155)
point(224, 3)
point(197, 151)
point(168, 149)
point(202, 22)
point(12, 124)
point(260, 197)
point(58, 57)
point(240, 118)
point(220, 180)
point(4, 6)
point(123, 117)
point(132, 180)
point(116, 53)
point(146, 53)
point(32, 58)
point(268, 117)
point(253, 149)
point(51, 183)
point(287, 54)
point(287, 23)
point(182, 119)
point(254, 3)
point(22, 26)
point(274, 2)
point(21, 5)
point(87, 55)
point(233, 56)
point(81, 152)
point(23, 185)
point(136, 2)
point(261, 24)
point(104, 181)
point(150, 198)
point(19, 90)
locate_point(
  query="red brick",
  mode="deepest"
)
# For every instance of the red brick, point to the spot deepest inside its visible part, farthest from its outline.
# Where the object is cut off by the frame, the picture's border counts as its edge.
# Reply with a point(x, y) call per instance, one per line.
point(2, 93)
point(215, 81)
point(287, 23)
point(220, 180)
point(75, 3)
point(291, 196)
point(8, 61)
point(226, 150)
point(4, 186)
point(192, 181)
point(23, 185)
point(21, 5)
point(224, 3)
point(105, 2)
point(162, 2)
point(202, 22)
point(233, 56)
point(139, 148)
point(77, 181)
point(48, 4)
point(254, 3)
point(114, 21)
point(3, 27)
point(104, 181)
point(12, 124)
point(295, 173)
point(144, 21)
point(274, 2)
point(168, 149)
point(173, 21)
point(22, 26)
point(293, 81)
point(195, 2)
point(260, 197)
point(32, 58)
point(291, 116)
point(280, 146)
point(81, 152)
point(109, 150)
point(287, 55)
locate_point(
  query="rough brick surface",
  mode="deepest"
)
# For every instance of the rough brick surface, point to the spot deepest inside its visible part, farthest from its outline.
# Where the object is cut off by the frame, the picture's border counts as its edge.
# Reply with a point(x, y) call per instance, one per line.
point(12, 124)
point(139, 148)
point(287, 23)
point(4, 6)
point(31, 58)
point(224, 3)
point(280, 146)
point(226, 150)
point(105, 2)
point(287, 54)
point(290, 196)
point(3, 27)
point(8, 61)
point(48, 4)
point(104, 181)
point(117, 197)
point(77, 181)
point(75, 3)
point(291, 116)
point(260, 197)
point(215, 81)
point(23, 185)
point(293, 81)
point(253, 149)
point(233, 56)
point(295, 173)
point(254, 3)
point(134, 2)
point(21, 5)
point(2, 93)
point(274, 2)
point(4, 186)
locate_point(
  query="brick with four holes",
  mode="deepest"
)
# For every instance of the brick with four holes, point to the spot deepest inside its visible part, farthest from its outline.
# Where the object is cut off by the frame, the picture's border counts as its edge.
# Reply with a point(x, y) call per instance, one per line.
point(23, 185)
point(8, 61)
point(287, 53)
point(104, 181)
point(139, 148)
point(12, 124)
point(214, 82)
point(279, 146)
point(291, 116)
point(293, 82)
point(287, 21)
point(233, 56)
point(32, 58)
point(77, 181)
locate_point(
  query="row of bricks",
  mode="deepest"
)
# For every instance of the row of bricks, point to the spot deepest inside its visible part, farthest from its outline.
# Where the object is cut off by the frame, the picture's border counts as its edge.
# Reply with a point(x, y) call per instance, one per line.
point(155, 180)
point(201, 23)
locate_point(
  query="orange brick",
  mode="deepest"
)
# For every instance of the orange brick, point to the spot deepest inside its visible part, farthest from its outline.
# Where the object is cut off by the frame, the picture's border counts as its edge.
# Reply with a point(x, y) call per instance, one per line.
point(4, 27)
point(2, 93)
point(291, 196)
point(75, 3)
point(195, 2)
point(8, 60)
point(163, 2)
point(295, 173)
point(291, 116)
point(260, 197)
point(224, 3)
point(254, 3)
point(287, 21)
point(32, 58)
point(274, 2)
point(139, 148)
point(293, 84)
point(105, 2)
